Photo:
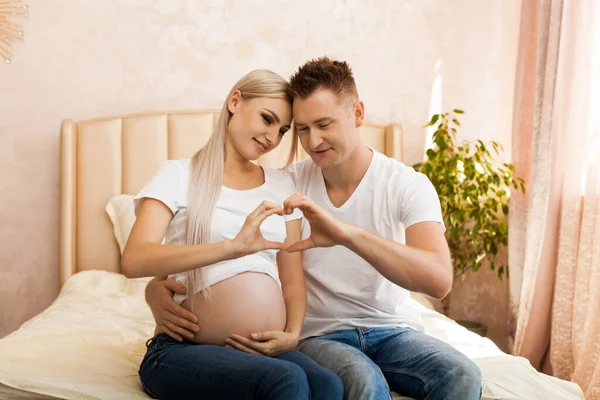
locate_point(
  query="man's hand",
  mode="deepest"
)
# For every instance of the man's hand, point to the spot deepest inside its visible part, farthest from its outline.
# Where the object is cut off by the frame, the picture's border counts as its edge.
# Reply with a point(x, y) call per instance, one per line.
point(171, 318)
point(325, 229)
point(268, 344)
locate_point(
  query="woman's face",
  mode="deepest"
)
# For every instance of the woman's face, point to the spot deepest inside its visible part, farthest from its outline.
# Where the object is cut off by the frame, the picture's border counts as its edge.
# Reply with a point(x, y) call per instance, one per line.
point(257, 125)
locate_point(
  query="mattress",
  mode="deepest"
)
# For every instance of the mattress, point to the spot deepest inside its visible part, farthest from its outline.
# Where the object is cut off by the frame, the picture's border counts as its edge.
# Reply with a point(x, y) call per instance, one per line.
point(89, 343)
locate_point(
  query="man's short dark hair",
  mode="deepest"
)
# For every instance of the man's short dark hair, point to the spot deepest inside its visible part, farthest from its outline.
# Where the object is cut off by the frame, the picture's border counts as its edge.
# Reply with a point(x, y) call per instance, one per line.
point(324, 73)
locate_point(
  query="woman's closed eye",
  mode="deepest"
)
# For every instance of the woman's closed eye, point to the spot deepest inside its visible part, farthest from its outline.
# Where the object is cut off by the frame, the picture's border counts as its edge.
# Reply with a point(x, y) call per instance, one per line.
point(267, 119)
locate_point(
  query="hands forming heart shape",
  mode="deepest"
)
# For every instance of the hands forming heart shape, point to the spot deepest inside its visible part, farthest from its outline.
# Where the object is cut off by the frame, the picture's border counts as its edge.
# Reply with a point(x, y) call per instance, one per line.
point(325, 229)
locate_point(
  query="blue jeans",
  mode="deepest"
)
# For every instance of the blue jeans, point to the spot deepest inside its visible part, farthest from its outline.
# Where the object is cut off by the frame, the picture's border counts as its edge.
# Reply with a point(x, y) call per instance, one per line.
point(185, 370)
point(371, 361)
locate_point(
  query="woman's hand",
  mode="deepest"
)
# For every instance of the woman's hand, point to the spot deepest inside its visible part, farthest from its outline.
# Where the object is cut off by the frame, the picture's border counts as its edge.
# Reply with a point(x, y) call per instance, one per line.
point(250, 240)
point(270, 344)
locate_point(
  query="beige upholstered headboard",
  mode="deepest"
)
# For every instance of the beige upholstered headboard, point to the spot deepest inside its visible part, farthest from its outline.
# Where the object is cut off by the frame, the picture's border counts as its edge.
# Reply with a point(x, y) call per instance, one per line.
point(101, 158)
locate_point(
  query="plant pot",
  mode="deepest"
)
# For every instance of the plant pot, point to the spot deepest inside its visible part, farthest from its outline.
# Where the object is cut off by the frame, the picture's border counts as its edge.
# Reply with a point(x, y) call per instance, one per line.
point(476, 327)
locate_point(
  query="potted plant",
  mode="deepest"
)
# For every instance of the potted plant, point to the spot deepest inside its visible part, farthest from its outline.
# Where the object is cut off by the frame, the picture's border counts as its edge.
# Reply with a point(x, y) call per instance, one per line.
point(474, 191)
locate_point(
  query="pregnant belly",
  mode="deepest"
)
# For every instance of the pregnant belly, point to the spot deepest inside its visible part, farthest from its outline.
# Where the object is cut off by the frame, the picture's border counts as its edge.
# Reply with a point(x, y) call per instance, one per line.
point(244, 304)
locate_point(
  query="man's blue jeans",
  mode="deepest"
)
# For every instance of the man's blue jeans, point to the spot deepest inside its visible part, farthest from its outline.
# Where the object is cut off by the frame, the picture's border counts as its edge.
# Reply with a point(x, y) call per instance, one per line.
point(371, 361)
point(174, 370)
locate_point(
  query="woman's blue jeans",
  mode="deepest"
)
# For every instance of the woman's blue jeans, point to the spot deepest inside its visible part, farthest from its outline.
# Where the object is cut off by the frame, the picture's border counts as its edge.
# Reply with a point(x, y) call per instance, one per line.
point(185, 370)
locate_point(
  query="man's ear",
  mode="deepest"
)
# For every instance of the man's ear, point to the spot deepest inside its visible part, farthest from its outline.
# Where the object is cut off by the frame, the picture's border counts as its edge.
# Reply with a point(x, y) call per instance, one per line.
point(359, 113)
point(234, 101)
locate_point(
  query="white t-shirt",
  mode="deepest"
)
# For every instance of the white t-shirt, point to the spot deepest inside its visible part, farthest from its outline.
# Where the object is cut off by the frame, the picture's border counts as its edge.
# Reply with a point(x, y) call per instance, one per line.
point(170, 186)
point(344, 291)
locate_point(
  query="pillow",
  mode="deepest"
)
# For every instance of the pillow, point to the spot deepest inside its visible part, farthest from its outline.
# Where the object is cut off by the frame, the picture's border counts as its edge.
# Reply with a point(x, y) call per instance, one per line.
point(121, 213)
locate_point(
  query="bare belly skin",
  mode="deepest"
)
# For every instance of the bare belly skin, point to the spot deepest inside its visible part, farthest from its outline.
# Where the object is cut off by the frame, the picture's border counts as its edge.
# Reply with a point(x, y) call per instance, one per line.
point(244, 304)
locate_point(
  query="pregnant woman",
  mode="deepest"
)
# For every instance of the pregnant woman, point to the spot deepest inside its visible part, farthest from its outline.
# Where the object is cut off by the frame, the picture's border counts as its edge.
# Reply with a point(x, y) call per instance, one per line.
point(224, 228)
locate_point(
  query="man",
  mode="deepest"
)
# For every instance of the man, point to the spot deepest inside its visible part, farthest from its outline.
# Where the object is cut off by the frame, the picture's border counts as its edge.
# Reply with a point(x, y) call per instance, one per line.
point(373, 231)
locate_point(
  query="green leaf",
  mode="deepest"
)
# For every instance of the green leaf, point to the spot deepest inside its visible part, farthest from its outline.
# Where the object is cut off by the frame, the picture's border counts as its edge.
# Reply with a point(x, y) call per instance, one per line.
point(455, 232)
point(456, 110)
point(500, 272)
point(493, 249)
point(503, 229)
point(440, 142)
point(455, 121)
point(481, 144)
point(433, 120)
point(505, 209)
point(495, 146)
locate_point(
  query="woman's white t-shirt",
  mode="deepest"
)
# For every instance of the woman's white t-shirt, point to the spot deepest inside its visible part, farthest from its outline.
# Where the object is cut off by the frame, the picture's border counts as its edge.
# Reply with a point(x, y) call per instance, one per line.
point(170, 186)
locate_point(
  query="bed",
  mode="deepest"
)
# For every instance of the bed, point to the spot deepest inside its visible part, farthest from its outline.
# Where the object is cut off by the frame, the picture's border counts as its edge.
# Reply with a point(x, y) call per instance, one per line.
point(88, 344)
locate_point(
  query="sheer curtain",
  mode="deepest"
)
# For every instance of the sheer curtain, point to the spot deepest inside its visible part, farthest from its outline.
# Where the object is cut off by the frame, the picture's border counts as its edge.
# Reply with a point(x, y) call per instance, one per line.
point(554, 249)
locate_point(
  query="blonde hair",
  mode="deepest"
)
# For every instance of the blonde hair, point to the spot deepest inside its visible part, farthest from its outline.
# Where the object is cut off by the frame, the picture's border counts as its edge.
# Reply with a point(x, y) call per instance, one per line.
point(207, 165)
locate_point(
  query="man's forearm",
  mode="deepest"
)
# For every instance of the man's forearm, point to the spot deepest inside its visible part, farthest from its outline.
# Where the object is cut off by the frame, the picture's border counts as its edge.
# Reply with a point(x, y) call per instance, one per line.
point(408, 267)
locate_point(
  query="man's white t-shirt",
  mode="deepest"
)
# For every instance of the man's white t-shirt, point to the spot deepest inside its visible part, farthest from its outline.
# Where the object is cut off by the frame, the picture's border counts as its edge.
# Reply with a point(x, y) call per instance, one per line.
point(344, 291)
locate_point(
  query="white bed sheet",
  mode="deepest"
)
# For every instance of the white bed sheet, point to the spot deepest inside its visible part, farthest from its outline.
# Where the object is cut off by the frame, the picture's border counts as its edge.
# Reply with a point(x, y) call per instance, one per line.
point(7, 392)
point(89, 343)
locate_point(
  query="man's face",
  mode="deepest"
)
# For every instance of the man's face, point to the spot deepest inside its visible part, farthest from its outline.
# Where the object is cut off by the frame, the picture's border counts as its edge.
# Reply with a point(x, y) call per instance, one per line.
point(327, 126)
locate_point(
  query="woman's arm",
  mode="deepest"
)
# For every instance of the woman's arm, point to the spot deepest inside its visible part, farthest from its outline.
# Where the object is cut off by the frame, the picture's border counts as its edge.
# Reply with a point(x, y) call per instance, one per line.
point(144, 255)
point(292, 280)
point(273, 343)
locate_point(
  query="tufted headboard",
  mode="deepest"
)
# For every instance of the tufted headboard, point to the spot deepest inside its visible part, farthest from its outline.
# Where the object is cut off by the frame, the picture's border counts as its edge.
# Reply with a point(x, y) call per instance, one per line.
point(101, 158)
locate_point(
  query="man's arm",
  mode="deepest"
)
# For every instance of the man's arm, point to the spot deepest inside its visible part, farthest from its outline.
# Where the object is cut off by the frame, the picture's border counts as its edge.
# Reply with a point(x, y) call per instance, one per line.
point(171, 318)
point(422, 265)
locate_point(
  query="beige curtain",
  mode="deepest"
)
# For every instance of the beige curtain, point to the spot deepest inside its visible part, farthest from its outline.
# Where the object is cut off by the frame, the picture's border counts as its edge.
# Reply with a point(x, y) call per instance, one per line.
point(554, 244)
